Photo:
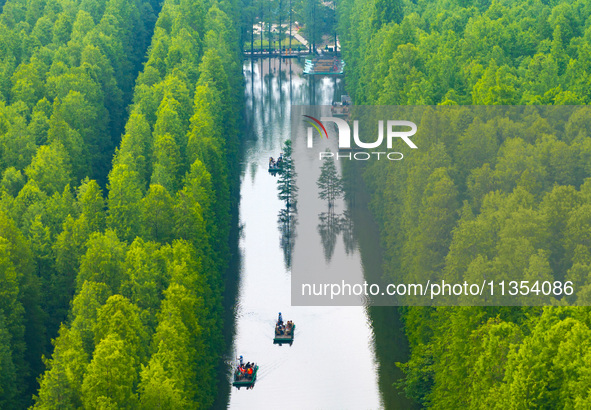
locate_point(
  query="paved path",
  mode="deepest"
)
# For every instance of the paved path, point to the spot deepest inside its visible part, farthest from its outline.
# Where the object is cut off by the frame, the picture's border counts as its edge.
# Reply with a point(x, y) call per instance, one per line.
point(300, 39)
point(305, 42)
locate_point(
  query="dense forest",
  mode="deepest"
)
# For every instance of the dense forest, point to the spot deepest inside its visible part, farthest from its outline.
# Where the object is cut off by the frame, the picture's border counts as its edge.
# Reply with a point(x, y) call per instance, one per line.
point(118, 151)
point(490, 197)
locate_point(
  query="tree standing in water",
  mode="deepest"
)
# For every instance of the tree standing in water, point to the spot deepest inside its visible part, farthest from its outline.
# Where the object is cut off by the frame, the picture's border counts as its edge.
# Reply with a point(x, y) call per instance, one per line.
point(286, 183)
point(329, 183)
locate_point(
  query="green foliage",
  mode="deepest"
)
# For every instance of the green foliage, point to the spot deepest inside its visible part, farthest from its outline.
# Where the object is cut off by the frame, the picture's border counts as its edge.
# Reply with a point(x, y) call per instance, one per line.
point(158, 390)
point(103, 261)
point(157, 218)
point(125, 194)
point(12, 181)
point(146, 278)
point(11, 314)
point(85, 307)
point(136, 147)
point(92, 205)
point(119, 316)
point(288, 190)
point(50, 168)
point(8, 378)
point(61, 385)
point(168, 164)
point(135, 275)
point(490, 198)
point(465, 52)
point(110, 377)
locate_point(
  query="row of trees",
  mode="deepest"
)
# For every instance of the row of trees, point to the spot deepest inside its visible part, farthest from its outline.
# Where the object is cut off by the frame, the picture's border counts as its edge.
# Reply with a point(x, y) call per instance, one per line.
point(317, 18)
point(147, 332)
point(491, 196)
point(123, 265)
point(66, 73)
point(466, 52)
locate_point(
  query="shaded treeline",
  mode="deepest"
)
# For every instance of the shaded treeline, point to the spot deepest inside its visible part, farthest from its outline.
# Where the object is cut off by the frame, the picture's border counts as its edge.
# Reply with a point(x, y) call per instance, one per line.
point(491, 197)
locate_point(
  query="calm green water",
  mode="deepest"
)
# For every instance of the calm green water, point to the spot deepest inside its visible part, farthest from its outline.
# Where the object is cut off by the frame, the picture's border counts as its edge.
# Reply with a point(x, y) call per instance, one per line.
point(342, 357)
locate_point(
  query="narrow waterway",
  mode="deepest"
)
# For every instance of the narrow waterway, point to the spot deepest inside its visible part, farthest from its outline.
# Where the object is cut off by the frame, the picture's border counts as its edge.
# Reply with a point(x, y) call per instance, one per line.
point(342, 357)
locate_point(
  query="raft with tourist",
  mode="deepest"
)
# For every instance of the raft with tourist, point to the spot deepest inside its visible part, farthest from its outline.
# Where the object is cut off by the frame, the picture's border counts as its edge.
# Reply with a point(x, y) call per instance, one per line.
point(276, 166)
point(245, 375)
point(284, 332)
point(341, 108)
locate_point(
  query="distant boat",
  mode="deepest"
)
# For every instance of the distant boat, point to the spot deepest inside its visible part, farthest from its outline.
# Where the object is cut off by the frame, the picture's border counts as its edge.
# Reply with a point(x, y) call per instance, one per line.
point(242, 377)
point(341, 109)
point(276, 167)
point(324, 66)
point(284, 334)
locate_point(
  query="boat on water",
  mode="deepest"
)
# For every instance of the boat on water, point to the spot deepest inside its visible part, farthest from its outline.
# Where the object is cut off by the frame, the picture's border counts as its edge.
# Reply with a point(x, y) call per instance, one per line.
point(341, 108)
point(324, 66)
point(276, 166)
point(284, 333)
point(245, 375)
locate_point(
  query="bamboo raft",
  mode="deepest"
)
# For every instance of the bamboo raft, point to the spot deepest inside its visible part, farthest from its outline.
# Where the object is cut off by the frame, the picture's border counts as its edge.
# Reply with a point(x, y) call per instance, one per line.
point(287, 335)
point(245, 380)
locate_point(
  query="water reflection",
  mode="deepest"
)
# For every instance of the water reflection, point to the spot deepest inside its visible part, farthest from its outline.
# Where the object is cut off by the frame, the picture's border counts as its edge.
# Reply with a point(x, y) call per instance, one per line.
point(389, 340)
point(332, 224)
point(304, 373)
point(328, 228)
point(287, 221)
point(347, 232)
